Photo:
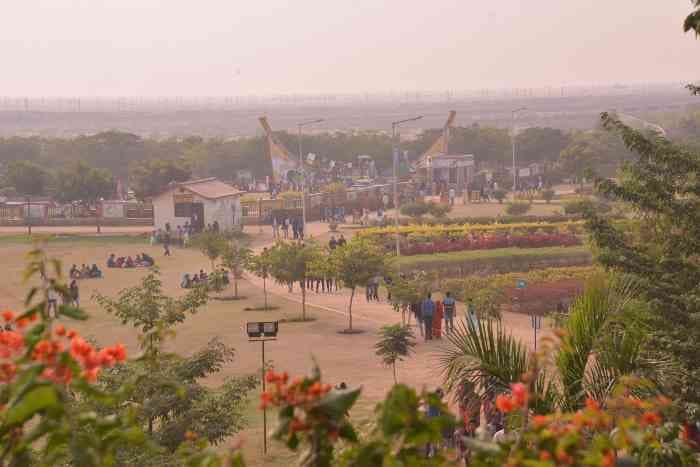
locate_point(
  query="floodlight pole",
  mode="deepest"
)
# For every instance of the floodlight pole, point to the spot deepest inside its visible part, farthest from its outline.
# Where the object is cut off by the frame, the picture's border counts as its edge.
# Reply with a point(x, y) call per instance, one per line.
point(303, 173)
point(395, 155)
point(514, 114)
point(265, 408)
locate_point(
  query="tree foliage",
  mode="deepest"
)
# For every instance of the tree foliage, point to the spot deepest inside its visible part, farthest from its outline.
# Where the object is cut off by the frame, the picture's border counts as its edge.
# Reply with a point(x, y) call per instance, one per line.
point(355, 264)
point(395, 343)
point(662, 187)
point(292, 262)
point(236, 257)
point(150, 177)
point(81, 182)
point(171, 398)
point(26, 177)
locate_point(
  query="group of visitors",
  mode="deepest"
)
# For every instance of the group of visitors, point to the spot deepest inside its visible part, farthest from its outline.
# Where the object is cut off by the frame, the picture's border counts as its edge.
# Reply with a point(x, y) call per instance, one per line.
point(333, 214)
point(285, 224)
point(430, 315)
point(140, 261)
point(85, 272)
point(333, 243)
point(202, 278)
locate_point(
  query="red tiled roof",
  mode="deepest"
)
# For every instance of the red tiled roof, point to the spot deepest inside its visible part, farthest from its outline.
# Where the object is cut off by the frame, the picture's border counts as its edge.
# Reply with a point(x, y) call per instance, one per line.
point(210, 188)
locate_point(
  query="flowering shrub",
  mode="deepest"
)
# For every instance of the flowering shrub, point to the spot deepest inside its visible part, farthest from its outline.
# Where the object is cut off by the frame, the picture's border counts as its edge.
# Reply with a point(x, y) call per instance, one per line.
point(463, 229)
point(488, 242)
point(627, 431)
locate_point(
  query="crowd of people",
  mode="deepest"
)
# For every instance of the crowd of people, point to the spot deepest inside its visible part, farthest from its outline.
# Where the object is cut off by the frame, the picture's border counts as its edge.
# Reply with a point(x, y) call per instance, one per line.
point(189, 281)
point(282, 225)
point(142, 260)
point(430, 315)
point(85, 272)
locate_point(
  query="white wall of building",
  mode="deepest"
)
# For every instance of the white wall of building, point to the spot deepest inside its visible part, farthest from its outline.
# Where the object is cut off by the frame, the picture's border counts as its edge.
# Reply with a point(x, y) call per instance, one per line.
point(227, 211)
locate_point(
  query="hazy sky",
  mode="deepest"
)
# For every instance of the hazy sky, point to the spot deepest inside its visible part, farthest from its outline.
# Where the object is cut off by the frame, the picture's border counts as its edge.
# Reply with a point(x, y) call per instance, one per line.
point(242, 47)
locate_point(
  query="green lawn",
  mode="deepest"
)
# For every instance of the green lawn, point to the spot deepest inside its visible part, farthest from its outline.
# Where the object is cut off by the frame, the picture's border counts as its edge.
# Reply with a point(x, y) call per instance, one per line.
point(500, 257)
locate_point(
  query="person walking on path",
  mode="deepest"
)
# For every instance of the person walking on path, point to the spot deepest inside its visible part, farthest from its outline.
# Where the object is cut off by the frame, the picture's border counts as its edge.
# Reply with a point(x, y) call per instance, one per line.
point(437, 320)
point(416, 310)
point(166, 245)
point(449, 306)
point(472, 319)
point(428, 310)
point(74, 293)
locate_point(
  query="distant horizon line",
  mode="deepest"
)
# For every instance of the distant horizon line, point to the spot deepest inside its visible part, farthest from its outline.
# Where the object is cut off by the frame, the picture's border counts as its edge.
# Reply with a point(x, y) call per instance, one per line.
point(512, 91)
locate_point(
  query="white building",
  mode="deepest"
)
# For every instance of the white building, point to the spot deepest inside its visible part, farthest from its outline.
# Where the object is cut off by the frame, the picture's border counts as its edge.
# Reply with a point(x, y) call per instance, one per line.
point(199, 203)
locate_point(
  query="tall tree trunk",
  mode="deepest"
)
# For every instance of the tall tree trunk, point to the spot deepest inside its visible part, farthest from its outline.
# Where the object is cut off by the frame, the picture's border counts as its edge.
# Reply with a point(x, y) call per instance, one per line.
point(352, 295)
point(235, 286)
point(265, 292)
point(393, 366)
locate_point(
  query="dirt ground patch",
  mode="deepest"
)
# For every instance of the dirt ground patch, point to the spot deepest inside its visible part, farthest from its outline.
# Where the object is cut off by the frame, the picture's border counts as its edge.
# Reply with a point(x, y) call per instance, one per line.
point(348, 358)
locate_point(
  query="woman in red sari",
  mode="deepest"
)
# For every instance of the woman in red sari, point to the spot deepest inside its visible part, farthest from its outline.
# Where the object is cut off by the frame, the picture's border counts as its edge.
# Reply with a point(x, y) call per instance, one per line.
point(437, 319)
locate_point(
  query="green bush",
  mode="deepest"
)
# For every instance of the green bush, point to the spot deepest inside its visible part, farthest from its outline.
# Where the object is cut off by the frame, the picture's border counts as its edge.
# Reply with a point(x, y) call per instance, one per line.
point(584, 205)
point(415, 210)
point(517, 208)
point(500, 195)
point(439, 210)
point(548, 195)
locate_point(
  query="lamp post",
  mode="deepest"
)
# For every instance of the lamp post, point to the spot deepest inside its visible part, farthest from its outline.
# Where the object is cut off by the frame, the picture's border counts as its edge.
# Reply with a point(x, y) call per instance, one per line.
point(263, 331)
point(395, 153)
point(28, 214)
point(515, 173)
point(303, 172)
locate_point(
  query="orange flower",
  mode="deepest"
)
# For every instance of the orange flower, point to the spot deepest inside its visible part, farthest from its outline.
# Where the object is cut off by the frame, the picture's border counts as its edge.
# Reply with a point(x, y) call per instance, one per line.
point(8, 315)
point(650, 418)
point(190, 436)
point(315, 389)
point(592, 404)
point(545, 456)
point(270, 376)
point(71, 334)
point(60, 330)
point(91, 374)
point(22, 323)
point(540, 420)
point(504, 403)
point(265, 400)
point(520, 395)
point(608, 459)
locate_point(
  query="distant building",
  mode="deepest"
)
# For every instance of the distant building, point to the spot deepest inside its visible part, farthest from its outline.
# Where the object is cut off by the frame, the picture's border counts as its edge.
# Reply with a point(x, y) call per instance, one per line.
point(457, 169)
point(199, 203)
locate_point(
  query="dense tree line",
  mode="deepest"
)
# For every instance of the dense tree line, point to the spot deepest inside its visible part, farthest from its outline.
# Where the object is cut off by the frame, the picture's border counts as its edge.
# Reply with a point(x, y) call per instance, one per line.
point(37, 166)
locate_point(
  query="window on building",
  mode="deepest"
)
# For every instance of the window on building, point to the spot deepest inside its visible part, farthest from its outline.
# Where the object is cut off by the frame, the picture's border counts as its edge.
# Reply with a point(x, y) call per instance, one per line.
point(183, 209)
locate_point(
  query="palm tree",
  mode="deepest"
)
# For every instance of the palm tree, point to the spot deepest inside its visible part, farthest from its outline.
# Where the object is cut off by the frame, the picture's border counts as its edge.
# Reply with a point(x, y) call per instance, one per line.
point(603, 340)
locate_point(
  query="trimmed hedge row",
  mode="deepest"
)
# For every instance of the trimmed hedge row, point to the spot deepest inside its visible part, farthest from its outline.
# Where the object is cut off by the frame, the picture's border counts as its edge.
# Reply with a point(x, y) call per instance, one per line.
point(485, 262)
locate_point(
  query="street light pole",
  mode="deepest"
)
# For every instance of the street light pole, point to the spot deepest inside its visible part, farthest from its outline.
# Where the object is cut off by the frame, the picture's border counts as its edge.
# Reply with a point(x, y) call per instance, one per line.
point(515, 173)
point(303, 173)
point(395, 153)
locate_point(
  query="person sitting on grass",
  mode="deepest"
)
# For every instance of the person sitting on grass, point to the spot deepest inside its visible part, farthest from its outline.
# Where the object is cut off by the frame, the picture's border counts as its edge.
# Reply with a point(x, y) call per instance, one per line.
point(203, 277)
point(147, 260)
point(84, 271)
point(111, 262)
point(186, 282)
point(95, 272)
point(74, 272)
point(195, 280)
point(129, 263)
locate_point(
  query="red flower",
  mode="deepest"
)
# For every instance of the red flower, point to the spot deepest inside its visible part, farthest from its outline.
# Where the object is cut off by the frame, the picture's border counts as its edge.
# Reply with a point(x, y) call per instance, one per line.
point(504, 403)
point(60, 330)
point(520, 394)
point(8, 315)
point(651, 418)
point(592, 404)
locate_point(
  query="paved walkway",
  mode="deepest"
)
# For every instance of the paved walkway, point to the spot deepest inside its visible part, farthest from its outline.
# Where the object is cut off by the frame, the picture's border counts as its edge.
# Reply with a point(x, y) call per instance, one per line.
point(370, 316)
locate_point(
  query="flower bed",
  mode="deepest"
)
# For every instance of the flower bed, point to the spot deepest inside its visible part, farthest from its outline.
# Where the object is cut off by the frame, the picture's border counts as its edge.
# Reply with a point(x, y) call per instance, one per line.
point(437, 231)
point(490, 242)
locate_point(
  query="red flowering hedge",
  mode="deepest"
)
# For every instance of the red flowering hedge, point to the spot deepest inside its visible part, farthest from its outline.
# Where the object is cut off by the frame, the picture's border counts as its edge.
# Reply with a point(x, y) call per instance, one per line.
point(490, 242)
